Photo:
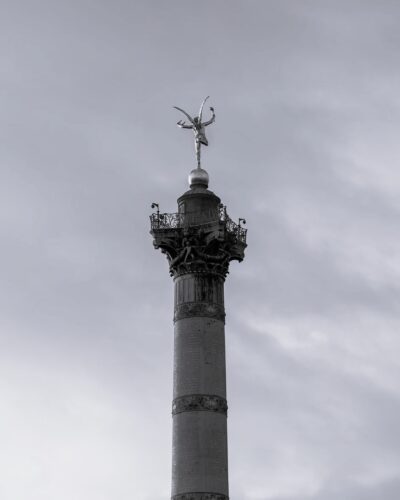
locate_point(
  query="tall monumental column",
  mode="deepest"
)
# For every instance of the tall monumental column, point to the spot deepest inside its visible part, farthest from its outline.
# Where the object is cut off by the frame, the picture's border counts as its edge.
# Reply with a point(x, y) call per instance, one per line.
point(199, 242)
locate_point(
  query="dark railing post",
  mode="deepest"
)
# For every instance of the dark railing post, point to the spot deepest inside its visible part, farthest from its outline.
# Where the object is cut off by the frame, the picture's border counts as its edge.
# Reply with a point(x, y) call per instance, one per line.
point(240, 230)
point(154, 205)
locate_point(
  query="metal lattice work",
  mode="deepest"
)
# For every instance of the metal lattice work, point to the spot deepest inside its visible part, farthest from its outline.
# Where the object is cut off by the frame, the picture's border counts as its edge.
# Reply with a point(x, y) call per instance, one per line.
point(178, 220)
point(166, 221)
point(235, 229)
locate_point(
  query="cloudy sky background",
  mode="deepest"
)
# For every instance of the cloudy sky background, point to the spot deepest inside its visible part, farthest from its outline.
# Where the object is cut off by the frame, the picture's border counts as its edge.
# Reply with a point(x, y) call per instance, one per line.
point(305, 147)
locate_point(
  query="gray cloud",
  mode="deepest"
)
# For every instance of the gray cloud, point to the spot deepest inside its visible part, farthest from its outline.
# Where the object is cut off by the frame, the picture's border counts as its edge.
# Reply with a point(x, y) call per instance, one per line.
point(304, 147)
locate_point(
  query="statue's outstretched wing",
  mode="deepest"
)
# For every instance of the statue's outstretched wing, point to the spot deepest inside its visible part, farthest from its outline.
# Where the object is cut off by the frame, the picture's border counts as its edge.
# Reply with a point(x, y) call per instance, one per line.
point(184, 112)
point(201, 108)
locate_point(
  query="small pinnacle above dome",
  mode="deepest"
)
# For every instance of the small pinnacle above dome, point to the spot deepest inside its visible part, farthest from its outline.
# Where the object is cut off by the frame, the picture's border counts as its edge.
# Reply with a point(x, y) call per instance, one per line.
point(198, 177)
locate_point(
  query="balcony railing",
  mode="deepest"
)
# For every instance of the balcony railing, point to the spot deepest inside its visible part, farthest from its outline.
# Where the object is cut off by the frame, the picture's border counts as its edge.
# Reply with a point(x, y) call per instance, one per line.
point(168, 221)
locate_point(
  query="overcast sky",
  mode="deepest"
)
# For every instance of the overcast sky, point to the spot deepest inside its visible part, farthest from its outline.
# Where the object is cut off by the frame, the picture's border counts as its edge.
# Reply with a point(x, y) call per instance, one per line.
point(305, 147)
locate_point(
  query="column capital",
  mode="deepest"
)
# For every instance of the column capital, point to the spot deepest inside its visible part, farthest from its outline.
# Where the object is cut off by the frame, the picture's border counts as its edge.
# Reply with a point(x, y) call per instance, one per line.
point(198, 243)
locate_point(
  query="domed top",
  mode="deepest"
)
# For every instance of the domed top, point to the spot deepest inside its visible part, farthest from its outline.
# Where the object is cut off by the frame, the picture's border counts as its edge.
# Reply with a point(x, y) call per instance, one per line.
point(198, 177)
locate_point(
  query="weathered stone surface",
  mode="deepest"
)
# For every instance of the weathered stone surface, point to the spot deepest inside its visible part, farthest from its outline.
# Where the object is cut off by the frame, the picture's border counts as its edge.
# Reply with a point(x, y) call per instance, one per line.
point(200, 459)
point(200, 453)
point(199, 357)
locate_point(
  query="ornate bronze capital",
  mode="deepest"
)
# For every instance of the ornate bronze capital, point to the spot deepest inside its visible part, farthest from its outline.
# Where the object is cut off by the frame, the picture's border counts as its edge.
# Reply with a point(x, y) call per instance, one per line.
point(204, 242)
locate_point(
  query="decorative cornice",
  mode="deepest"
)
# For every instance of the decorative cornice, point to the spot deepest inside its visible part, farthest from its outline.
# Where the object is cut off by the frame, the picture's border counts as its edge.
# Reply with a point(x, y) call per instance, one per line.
point(203, 309)
point(200, 496)
point(200, 402)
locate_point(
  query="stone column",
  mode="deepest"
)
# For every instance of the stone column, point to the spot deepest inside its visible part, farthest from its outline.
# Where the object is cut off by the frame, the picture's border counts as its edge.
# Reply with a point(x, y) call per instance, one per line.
point(200, 241)
point(199, 456)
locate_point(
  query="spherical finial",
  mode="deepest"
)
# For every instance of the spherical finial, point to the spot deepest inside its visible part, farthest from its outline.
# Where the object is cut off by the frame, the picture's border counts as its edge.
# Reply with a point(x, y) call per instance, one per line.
point(198, 177)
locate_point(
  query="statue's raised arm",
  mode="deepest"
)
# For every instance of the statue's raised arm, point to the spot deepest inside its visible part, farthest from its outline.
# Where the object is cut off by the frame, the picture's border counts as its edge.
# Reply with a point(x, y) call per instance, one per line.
point(198, 128)
point(211, 120)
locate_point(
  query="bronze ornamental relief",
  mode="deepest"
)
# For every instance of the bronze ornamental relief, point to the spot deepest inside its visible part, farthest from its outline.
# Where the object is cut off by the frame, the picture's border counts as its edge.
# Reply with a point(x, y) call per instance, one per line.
point(200, 496)
point(200, 402)
point(202, 309)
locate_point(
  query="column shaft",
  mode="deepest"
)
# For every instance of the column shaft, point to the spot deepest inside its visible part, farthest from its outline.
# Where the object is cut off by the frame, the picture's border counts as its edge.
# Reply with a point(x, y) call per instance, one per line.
point(200, 458)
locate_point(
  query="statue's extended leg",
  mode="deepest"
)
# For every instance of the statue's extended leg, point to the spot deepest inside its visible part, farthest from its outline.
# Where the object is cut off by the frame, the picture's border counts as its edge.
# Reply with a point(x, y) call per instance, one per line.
point(198, 153)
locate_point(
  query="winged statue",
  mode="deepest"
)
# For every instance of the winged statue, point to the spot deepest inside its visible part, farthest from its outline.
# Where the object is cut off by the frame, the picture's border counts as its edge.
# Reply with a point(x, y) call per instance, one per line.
point(198, 126)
